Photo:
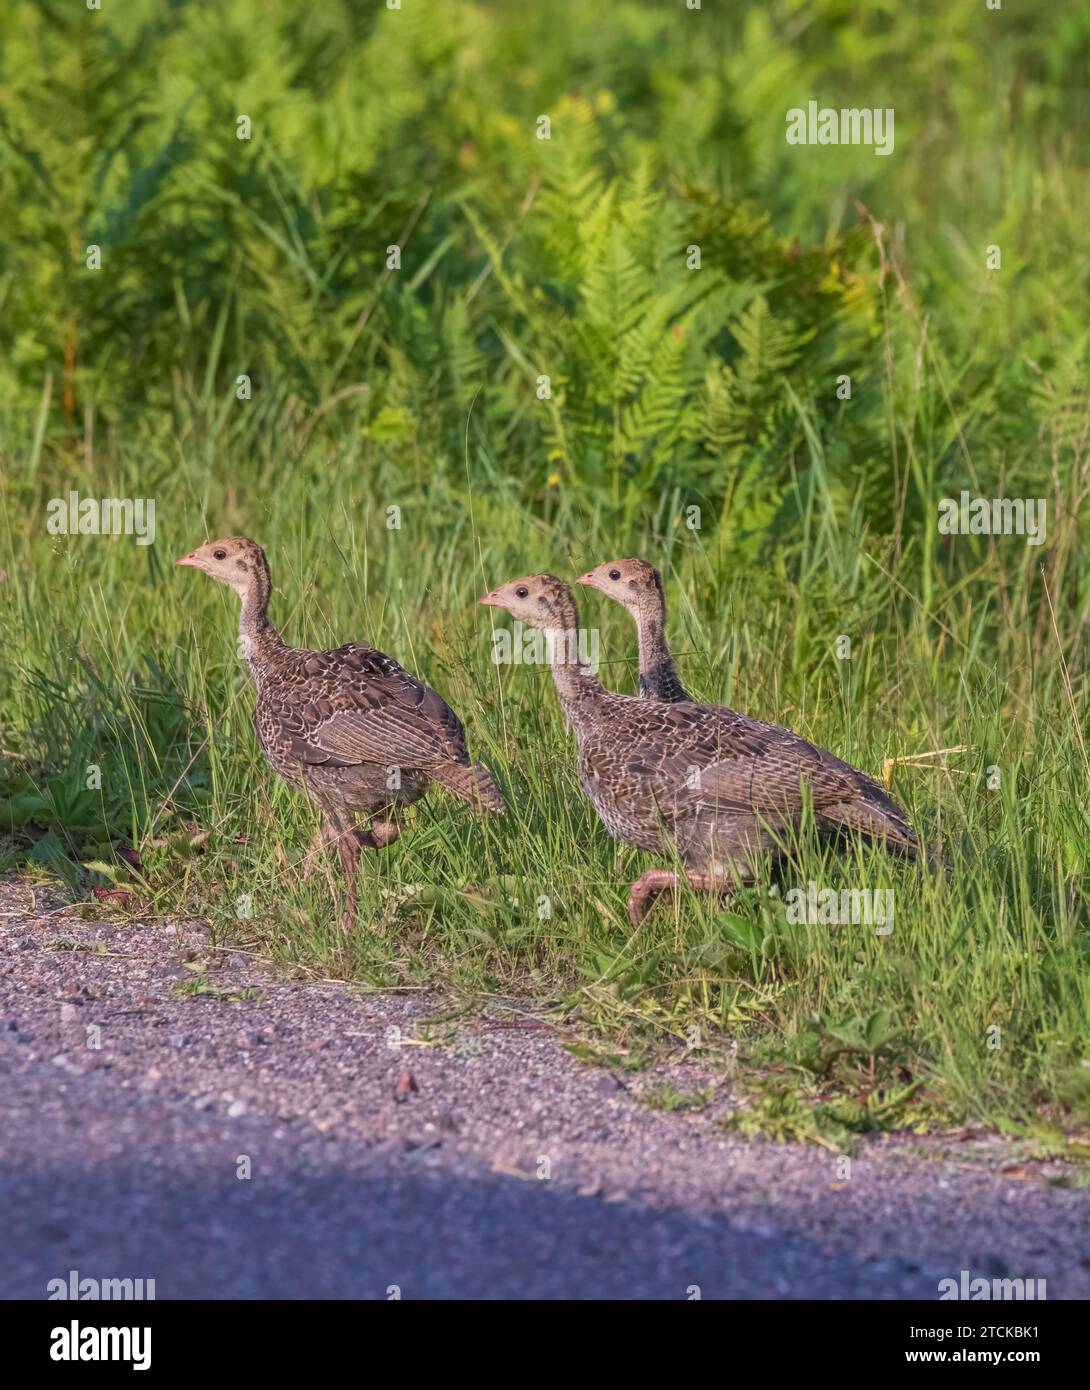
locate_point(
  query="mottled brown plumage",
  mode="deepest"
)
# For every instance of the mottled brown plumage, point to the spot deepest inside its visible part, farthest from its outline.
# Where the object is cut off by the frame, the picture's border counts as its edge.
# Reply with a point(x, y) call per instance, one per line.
point(719, 786)
point(350, 727)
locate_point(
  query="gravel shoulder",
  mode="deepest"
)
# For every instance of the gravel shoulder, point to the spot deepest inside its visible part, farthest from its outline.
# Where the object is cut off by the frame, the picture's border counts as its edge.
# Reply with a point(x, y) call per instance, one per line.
point(288, 1144)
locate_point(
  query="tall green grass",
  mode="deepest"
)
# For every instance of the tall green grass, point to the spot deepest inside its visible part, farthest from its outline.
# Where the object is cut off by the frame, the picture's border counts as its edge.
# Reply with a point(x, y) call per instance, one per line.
point(121, 662)
point(691, 417)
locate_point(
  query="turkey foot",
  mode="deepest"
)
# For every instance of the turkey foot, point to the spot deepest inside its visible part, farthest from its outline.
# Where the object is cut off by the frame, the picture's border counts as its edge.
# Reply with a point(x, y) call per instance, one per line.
point(650, 886)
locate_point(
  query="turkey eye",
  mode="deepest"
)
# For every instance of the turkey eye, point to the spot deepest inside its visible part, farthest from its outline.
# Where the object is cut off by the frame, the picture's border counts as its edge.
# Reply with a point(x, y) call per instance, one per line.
point(615, 574)
point(522, 591)
point(219, 555)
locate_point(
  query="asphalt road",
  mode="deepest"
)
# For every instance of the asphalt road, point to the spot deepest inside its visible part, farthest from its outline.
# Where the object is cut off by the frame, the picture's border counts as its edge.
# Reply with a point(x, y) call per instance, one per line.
point(276, 1147)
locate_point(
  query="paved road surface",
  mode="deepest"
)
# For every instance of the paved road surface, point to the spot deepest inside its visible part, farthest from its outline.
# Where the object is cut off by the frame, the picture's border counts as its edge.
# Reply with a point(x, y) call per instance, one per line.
point(124, 1162)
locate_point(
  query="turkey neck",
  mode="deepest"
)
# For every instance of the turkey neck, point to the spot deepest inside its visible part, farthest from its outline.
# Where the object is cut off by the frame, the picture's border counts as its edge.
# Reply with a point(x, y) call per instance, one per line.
point(657, 674)
point(651, 632)
point(577, 688)
point(258, 639)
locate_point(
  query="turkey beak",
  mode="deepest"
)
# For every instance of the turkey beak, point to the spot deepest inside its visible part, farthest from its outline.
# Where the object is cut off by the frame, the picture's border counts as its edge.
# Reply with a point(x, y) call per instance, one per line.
point(588, 580)
point(190, 559)
point(491, 600)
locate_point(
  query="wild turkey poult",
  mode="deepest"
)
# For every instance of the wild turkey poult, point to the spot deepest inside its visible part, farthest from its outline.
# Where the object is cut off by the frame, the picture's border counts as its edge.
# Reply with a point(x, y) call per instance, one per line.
point(723, 788)
point(350, 727)
point(637, 586)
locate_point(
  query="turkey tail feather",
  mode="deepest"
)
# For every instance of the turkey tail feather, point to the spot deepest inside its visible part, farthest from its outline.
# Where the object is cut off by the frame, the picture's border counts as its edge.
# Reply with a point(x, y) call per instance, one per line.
point(473, 783)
